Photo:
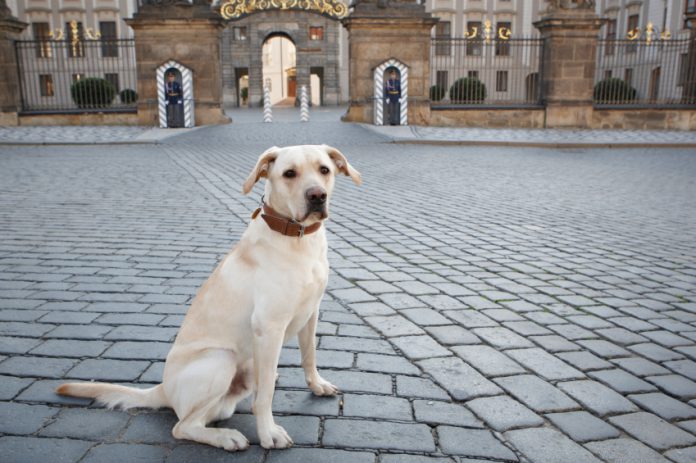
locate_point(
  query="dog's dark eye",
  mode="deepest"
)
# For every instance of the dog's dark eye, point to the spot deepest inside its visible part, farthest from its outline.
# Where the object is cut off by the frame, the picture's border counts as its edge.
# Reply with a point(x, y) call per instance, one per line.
point(324, 170)
point(290, 174)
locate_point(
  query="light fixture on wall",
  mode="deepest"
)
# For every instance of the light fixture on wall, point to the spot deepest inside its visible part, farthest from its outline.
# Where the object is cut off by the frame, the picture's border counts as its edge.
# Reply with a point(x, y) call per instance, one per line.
point(649, 35)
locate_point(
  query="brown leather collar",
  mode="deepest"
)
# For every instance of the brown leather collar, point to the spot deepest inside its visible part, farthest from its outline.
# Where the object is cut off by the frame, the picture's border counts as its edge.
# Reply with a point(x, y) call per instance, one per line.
point(287, 227)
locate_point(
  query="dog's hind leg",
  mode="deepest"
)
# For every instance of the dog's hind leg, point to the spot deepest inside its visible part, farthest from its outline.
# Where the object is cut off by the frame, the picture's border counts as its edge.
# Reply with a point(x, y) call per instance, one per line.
point(199, 394)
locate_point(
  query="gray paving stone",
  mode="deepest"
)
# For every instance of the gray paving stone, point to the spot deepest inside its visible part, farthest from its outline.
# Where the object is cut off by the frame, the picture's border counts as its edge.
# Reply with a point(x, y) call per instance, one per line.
point(621, 336)
point(298, 455)
point(470, 318)
point(544, 364)
point(400, 301)
point(584, 361)
point(151, 427)
point(153, 374)
point(117, 453)
point(683, 367)
point(640, 366)
point(131, 350)
point(664, 406)
point(195, 452)
point(604, 349)
point(473, 443)
point(87, 424)
point(386, 364)
point(108, 370)
point(403, 458)
point(25, 329)
point(63, 316)
point(597, 398)
point(689, 351)
point(621, 381)
point(348, 296)
point(304, 430)
point(655, 352)
point(12, 345)
point(452, 334)
point(378, 435)
point(304, 403)
point(71, 348)
point(16, 418)
point(536, 393)
point(502, 338)
point(377, 406)
point(555, 343)
point(458, 378)
point(625, 451)
point(437, 412)
point(356, 381)
point(573, 332)
point(410, 387)
point(36, 366)
point(675, 385)
point(425, 317)
point(503, 413)
point(394, 325)
point(488, 360)
point(653, 431)
point(420, 347)
point(667, 339)
point(15, 449)
point(80, 332)
point(582, 426)
point(377, 346)
point(44, 391)
point(544, 445)
point(687, 455)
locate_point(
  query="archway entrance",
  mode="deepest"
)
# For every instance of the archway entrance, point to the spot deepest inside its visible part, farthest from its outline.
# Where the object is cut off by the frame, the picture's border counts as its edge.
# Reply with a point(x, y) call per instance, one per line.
point(279, 69)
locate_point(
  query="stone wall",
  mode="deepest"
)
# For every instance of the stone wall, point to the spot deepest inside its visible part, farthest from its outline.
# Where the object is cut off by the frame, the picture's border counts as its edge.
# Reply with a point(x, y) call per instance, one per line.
point(491, 118)
point(125, 118)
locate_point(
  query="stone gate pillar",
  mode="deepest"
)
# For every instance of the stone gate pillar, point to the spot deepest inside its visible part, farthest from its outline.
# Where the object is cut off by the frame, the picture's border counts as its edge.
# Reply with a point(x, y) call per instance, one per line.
point(380, 30)
point(190, 34)
point(570, 29)
point(10, 28)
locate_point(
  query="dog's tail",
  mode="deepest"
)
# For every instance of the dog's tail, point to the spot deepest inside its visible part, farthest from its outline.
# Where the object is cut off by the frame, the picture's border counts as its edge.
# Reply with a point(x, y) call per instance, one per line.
point(113, 395)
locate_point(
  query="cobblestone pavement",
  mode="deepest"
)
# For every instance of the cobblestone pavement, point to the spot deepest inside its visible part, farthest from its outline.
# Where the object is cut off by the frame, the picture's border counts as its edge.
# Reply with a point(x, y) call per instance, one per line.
point(486, 304)
point(85, 135)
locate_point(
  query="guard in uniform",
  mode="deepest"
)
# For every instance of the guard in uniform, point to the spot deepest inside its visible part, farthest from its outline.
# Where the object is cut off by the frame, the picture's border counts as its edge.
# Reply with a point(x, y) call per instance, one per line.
point(393, 97)
point(173, 98)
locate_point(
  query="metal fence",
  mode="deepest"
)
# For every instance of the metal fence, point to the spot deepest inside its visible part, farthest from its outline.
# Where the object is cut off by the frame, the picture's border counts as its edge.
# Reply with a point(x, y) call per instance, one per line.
point(77, 76)
point(492, 73)
point(644, 73)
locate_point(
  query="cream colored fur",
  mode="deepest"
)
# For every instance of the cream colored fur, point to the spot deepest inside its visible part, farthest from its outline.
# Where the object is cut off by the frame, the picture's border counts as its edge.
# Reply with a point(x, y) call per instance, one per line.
point(264, 292)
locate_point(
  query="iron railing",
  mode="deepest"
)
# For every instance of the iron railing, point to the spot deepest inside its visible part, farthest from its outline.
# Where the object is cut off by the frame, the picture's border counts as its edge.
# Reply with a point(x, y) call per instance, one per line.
point(645, 73)
point(477, 72)
point(77, 76)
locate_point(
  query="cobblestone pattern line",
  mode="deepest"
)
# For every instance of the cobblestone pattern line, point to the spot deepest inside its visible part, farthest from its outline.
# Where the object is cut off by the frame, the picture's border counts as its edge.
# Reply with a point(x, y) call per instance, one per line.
point(504, 304)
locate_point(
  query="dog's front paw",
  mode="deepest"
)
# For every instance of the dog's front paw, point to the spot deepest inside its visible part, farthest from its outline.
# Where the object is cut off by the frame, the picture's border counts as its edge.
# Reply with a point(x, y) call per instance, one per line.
point(276, 438)
point(320, 386)
point(233, 440)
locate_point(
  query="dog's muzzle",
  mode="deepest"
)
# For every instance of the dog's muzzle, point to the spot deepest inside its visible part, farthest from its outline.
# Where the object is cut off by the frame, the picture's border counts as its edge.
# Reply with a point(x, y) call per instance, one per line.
point(316, 200)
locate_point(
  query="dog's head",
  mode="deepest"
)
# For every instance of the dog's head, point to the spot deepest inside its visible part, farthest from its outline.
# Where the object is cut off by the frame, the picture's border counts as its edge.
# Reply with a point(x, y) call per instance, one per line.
point(300, 179)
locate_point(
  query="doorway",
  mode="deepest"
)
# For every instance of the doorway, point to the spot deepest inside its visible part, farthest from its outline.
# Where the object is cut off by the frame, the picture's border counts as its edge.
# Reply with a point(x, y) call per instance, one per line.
point(279, 72)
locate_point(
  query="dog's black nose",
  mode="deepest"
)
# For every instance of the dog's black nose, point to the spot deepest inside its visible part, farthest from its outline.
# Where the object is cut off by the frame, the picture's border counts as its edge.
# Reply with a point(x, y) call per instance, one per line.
point(316, 196)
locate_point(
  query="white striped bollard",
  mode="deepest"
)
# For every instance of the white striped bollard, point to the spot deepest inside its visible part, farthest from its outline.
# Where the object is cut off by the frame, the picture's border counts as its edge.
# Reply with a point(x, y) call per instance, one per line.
point(304, 105)
point(267, 112)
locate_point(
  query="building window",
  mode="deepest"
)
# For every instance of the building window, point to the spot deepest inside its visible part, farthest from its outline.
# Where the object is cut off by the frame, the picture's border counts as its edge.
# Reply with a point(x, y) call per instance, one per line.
point(109, 47)
point(40, 33)
point(502, 47)
point(610, 37)
point(607, 74)
point(113, 79)
point(501, 81)
point(628, 76)
point(689, 7)
point(443, 36)
point(75, 40)
point(473, 44)
point(632, 29)
point(473, 75)
point(77, 77)
point(316, 33)
point(46, 84)
point(683, 72)
point(240, 34)
point(654, 89)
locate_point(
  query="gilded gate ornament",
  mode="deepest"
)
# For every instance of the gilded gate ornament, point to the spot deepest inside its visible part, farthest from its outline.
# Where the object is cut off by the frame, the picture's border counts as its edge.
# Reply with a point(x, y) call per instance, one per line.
point(234, 9)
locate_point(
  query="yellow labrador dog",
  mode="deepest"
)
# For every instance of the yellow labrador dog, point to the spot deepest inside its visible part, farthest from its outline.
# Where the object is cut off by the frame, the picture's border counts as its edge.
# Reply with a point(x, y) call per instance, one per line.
point(264, 292)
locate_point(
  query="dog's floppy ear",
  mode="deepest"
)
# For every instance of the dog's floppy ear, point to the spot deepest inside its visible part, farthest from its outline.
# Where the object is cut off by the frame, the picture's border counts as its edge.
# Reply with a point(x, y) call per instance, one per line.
point(343, 165)
point(261, 168)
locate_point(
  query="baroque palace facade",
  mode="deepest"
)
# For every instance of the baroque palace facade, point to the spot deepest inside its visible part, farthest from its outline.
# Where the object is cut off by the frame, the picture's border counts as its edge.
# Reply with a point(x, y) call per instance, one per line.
point(320, 43)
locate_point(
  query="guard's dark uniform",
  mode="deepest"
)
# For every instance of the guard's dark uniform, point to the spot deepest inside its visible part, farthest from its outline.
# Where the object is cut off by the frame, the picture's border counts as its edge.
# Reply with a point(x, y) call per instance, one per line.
point(393, 94)
point(173, 97)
